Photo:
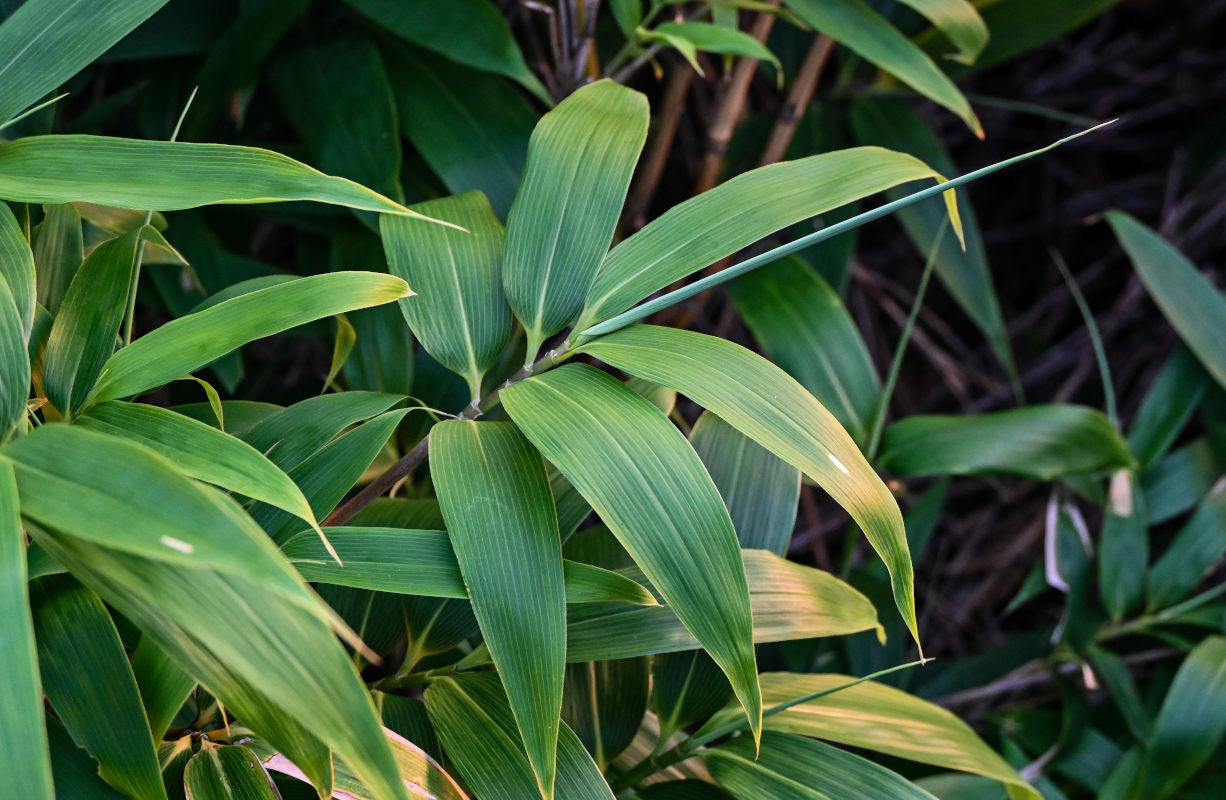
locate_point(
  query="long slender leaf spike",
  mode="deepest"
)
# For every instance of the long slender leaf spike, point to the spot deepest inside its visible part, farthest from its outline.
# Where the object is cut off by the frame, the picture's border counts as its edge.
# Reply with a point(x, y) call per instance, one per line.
point(770, 256)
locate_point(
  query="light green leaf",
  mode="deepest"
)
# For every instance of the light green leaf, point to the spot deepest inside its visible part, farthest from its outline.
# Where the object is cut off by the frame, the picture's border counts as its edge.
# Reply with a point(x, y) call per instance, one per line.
point(854, 24)
point(188, 343)
point(1197, 547)
point(763, 402)
point(883, 719)
point(227, 772)
point(718, 39)
point(24, 760)
point(795, 768)
point(76, 638)
point(1193, 305)
point(202, 452)
point(166, 176)
point(1191, 723)
point(804, 327)
point(1041, 442)
point(84, 331)
point(58, 248)
point(469, 32)
point(734, 215)
point(789, 602)
point(643, 478)
point(458, 311)
point(45, 42)
point(959, 22)
point(475, 724)
point(495, 498)
point(17, 268)
point(580, 160)
point(422, 562)
point(14, 366)
point(760, 489)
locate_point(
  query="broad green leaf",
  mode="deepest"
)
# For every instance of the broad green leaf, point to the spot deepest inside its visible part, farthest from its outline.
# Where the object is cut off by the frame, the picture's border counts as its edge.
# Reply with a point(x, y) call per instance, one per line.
point(763, 402)
point(734, 215)
point(475, 724)
point(287, 679)
point(337, 96)
point(961, 262)
point(469, 32)
point(789, 602)
point(291, 435)
point(496, 501)
point(470, 127)
point(855, 25)
point(643, 478)
point(45, 42)
point(1123, 549)
point(165, 176)
point(1197, 547)
point(760, 490)
point(83, 334)
point(188, 343)
point(24, 759)
point(1191, 723)
point(1166, 407)
point(1193, 305)
point(959, 22)
point(422, 562)
point(458, 311)
point(795, 768)
point(58, 252)
point(17, 268)
point(227, 772)
point(604, 702)
point(883, 719)
point(1041, 442)
point(1179, 480)
point(74, 772)
point(240, 415)
point(802, 324)
point(163, 685)
point(14, 366)
point(201, 452)
point(718, 39)
point(76, 638)
point(580, 160)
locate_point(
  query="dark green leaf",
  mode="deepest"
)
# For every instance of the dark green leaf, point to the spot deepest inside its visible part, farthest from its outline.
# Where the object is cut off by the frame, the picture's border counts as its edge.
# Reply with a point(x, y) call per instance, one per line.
point(1196, 548)
point(228, 772)
point(17, 269)
point(58, 253)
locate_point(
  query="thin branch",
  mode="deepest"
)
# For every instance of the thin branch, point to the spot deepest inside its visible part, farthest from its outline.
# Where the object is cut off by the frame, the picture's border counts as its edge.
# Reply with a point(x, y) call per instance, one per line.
point(798, 99)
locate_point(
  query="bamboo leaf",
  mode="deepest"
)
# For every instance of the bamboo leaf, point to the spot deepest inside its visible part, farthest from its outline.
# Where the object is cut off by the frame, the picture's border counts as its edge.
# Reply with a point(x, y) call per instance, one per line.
point(458, 311)
point(58, 248)
point(24, 759)
point(166, 176)
point(1193, 305)
point(290, 435)
point(17, 269)
point(855, 24)
point(45, 42)
point(14, 365)
point(1197, 547)
point(1041, 442)
point(650, 488)
point(163, 685)
point(188, 343)
point(883, 719)
point(227, 772)
point(580, 160)
point(75, 773)
point(1123, 550)
point(422, 562)
point(495, 498)
point(604, 703)
point(763, 402)
point(712, 38)
point(734, 215)
point(959, 22)
point(77, 638)
point(1166, 407)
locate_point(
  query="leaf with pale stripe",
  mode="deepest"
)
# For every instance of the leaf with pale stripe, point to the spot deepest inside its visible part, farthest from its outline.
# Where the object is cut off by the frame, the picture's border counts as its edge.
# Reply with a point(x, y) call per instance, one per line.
point(763, 402)
point(649, 486)
point(495, 498)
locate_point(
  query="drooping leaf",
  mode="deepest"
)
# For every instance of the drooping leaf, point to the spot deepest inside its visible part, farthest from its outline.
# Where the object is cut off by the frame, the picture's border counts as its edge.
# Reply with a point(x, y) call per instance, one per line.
point(45, 42)
point(763, 402)
point(164, 176)
point(883, 719)
point(712, 38)
point(760, 490)
point(1193, 305)
point(76, 638)
point(854, 24)
point(24, 760)
point(643, 478)
point(734, 215)
point(474, 722)
point(188, 343)
point(495, 499)
point(959, 22)
point(422, 562)
point(17, 269)
point(1041, 442)
point(227, 772)
point(458, 311)
point(580, 160)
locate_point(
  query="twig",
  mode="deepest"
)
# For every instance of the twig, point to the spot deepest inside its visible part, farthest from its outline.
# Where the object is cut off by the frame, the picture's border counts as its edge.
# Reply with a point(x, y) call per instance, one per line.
point(798, 98)
point(652, 169)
